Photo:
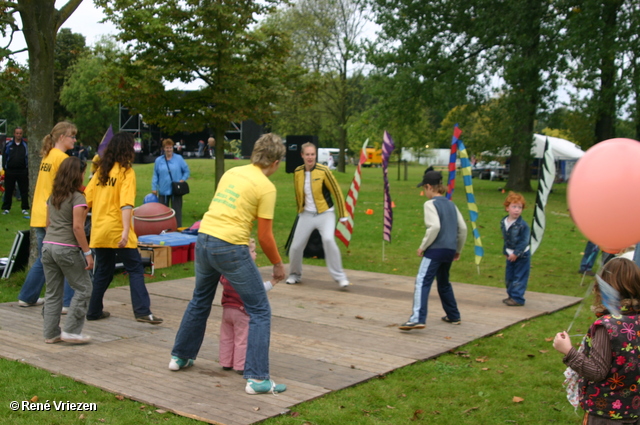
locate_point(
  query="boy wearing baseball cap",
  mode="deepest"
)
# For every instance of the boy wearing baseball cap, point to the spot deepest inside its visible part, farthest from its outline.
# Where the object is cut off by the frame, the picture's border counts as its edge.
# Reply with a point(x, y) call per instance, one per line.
point(442, 243)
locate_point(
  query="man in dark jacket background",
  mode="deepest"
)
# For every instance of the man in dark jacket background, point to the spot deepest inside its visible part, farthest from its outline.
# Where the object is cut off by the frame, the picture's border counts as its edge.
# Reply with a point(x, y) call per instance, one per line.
point(16, 171)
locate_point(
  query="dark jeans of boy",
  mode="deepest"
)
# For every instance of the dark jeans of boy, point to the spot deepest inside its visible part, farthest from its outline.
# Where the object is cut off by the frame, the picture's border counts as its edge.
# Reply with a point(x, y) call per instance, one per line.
point(33, 284)
point(589, 257)
point(105, 260)
point(432, 269)
point(517, 277)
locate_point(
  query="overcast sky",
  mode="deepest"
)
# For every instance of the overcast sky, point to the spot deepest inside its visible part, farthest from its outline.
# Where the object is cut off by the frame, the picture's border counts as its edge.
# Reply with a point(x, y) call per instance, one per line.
point(85, 20)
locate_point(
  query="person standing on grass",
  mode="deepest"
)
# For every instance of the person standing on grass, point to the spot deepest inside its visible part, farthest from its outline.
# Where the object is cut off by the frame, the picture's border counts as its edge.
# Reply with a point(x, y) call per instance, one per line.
point(66, 255)
point(111, 194)
point(589, 259)
point(515, 232)
point(442, 243)
point(167, 169)
point(603, 374)
point(234, 326)
point(54, 145)
point(244, 194)
point(318, 195)
point(15, 163)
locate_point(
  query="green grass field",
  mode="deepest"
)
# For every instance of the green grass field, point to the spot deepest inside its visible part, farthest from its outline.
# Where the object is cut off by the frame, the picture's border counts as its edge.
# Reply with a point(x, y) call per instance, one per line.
point(475, 385)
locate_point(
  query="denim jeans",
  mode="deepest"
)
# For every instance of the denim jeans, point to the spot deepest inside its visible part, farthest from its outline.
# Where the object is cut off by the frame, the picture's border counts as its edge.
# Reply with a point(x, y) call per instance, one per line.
point(589, 257)
point(105, 260)
point(432, 269)
point(33, 284)
point(215, 257)
point(517, 277)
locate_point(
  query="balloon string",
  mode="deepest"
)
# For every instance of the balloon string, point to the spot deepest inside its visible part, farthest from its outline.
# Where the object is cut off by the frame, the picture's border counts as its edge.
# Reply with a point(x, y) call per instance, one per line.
point(575, 316)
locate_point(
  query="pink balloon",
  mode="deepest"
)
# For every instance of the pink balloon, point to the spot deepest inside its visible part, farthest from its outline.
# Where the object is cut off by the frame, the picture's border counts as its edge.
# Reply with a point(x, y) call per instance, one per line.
point(604, 194)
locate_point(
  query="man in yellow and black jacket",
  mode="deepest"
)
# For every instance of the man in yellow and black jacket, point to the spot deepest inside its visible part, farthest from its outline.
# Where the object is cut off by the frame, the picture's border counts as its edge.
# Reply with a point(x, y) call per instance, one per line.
point(318, 195)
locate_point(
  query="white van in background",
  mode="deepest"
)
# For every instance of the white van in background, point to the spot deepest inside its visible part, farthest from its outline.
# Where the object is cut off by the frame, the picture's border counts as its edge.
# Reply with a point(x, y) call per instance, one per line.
point(325, 153)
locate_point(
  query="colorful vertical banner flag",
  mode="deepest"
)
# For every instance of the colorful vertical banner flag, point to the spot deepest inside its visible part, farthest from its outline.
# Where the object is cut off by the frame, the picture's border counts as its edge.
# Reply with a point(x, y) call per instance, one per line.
point(105, 141)
point(465, 168)
point(387, 147)
point(345, 230)
point(451, 183)
point(546, 175)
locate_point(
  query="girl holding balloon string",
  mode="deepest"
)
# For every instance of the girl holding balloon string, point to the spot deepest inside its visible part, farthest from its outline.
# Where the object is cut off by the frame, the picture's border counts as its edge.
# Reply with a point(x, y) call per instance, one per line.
point(608, 359)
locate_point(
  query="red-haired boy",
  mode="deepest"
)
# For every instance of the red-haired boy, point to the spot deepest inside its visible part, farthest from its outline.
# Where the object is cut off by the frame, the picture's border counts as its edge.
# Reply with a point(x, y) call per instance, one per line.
point(515, 232)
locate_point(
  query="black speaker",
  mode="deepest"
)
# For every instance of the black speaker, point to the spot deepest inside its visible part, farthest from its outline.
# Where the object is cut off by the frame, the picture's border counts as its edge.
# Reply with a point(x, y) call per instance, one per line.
point(294, 150)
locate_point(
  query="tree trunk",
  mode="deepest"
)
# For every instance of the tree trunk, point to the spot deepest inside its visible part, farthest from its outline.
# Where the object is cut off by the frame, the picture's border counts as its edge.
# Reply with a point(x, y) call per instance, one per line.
point(605, 127)
point(523, 75)
point(219, 131)
point(41, 22)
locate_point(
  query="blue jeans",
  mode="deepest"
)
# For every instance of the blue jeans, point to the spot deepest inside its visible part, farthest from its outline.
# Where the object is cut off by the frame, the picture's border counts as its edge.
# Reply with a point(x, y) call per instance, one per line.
point(105, 260)
point(215, 257)
point(33, 284)
point(432, 269)
point(517, 277)
point(589, 257)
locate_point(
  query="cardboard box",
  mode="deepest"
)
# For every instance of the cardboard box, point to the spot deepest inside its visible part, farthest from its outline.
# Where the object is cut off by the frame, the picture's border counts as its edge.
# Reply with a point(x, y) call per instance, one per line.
point(161, 254)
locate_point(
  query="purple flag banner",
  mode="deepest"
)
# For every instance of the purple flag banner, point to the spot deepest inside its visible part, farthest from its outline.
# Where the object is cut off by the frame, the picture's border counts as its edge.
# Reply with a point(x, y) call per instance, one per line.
point(387, 147)
point(105, 141)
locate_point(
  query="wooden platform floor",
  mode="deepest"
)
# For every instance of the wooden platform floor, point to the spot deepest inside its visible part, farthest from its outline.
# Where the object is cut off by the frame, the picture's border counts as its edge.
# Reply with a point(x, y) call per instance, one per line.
point(323, 339)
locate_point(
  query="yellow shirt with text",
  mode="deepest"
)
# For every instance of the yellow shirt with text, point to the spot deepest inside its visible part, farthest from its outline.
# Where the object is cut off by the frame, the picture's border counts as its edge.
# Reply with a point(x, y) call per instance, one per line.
point(244, 194)
point(106, 202)
point(44, 185)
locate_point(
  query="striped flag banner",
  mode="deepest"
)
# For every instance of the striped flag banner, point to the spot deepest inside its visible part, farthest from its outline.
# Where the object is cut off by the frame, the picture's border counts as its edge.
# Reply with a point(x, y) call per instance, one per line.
point(345, 230)
point(465, 166)
point(546, 173)
point(105, 141)
point(387, 147)
point(451, 184)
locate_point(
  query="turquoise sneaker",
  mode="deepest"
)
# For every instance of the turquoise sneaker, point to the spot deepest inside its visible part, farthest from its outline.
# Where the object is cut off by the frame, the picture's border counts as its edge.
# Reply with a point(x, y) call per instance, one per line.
point(264, 387)
point(177, 363)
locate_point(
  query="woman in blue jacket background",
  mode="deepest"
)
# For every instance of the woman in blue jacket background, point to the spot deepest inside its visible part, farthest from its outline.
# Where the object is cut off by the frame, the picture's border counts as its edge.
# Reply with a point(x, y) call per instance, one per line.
point(169, 168)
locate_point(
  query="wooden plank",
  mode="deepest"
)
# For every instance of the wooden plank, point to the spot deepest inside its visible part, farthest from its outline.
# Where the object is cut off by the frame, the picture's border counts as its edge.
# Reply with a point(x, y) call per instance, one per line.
point(323, 339)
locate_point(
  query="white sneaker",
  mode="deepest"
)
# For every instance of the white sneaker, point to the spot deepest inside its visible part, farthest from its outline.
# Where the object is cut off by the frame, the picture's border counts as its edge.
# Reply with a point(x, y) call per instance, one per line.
point(25, 212)
point(292, 280)
point(26, 304)
point(64, 311)
point(75, 338)
point(344, 283)
point(5, 212)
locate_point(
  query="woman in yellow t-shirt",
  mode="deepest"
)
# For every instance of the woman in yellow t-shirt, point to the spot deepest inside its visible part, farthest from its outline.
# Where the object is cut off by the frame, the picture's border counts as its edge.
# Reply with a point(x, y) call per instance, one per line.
point(111, 194)
point(54, 145)
point(244, 194)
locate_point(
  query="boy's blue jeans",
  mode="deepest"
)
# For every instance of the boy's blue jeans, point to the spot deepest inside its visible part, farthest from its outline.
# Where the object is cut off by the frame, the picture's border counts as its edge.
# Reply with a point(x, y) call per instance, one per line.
point(432, 269)
point(517, 277)
point(589, 257)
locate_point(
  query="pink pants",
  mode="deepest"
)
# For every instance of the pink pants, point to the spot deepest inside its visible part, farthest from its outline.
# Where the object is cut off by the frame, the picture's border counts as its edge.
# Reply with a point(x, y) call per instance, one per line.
point(234, 330)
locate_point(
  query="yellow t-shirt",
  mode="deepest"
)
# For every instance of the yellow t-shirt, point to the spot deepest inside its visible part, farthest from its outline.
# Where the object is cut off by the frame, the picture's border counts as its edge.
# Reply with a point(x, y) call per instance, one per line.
point(44, 185)
point(106, 203)
point(244, 194)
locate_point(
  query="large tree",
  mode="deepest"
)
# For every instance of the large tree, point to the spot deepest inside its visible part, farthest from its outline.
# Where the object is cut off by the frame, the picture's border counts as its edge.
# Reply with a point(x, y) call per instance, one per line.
point(445, 51)
point(325, 35)
point(84, 97)
point(69, 47)
point(217, 42)
point(40, 24)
